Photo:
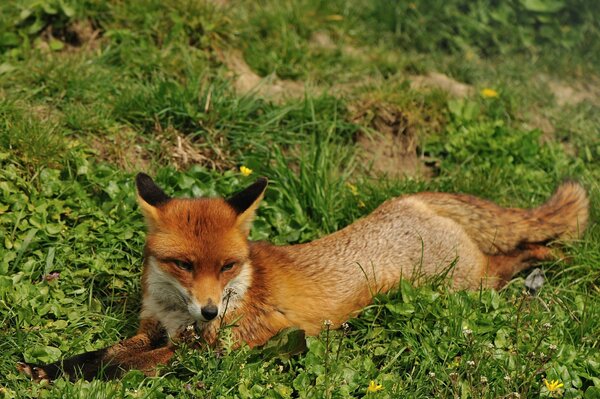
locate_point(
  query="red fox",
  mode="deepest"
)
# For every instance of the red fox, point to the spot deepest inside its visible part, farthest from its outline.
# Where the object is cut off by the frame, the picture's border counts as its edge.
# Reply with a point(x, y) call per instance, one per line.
point(201, 270)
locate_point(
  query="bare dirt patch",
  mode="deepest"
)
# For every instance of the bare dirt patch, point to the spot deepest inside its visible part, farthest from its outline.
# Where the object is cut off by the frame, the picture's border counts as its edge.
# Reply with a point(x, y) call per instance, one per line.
point(573, 93)
point(322, 40)
point(77, 36)
point(132, 151)
point(247, 81)
point(539, 121)
point(388, 143)
point(435, 80)
point(184, 151)
point(124, 148)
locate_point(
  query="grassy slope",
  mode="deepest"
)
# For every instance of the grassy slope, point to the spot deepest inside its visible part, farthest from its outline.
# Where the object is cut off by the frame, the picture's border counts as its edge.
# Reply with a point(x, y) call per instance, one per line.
point(155, 73)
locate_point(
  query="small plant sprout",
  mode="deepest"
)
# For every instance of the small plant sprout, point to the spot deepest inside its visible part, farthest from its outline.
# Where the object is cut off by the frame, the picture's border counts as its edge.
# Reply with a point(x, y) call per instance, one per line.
point(374, 387)
point(246, 171)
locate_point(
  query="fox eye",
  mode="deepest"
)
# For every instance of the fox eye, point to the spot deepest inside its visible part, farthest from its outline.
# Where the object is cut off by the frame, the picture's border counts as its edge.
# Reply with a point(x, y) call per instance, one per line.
point(227, 266)
point(183, 265)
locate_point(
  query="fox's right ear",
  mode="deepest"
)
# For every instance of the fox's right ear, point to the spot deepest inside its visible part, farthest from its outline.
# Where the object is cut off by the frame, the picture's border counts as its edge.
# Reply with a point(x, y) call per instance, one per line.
point(149, 196)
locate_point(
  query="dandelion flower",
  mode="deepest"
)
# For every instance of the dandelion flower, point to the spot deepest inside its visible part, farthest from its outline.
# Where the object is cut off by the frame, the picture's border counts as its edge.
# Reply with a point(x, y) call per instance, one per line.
point(553, 385)
point(374, 387)
point(246, 171)
point(489, 93)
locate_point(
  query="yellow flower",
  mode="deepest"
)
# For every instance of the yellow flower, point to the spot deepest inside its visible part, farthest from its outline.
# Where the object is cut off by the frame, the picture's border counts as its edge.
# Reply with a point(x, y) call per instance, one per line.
point(553, 385)
point(352, 188)
point(374, 387)
point(361, 204)
point(245, 170)
point(489, 93)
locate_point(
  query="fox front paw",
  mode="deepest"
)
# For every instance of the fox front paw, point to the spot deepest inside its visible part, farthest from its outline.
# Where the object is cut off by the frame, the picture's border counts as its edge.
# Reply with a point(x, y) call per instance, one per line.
point(36, 373)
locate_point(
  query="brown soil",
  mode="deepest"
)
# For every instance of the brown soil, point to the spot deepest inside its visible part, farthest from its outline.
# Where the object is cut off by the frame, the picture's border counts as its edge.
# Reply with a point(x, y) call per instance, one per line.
point(434, 80)
point(247, 81)
point(573, 94)
point(388, 142)
point(80, 35)
point(322, 40)
point(124, 148)
point(132, 151)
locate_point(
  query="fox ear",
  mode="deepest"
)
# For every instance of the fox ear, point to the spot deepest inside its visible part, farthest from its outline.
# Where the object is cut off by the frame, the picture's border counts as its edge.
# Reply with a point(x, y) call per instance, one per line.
point(246, 201)
point(149, 196)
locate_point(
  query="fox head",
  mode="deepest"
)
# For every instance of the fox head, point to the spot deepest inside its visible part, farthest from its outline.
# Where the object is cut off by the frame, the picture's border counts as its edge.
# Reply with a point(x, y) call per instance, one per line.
point(197, 252)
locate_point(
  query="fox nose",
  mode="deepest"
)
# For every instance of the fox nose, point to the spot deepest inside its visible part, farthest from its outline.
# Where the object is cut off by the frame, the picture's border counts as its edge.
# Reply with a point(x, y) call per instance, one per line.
point(209, 312)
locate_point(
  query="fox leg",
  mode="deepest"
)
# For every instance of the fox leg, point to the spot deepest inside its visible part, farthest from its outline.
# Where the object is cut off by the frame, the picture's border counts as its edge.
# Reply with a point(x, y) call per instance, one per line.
point(502, 268)
point(145, 350)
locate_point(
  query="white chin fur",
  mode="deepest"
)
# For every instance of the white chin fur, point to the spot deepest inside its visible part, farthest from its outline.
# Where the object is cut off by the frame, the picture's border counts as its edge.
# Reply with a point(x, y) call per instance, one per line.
point(166, 300)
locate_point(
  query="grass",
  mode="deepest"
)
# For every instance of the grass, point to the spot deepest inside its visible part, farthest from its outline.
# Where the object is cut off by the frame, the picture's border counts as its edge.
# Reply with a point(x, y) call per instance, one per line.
point(78, 76)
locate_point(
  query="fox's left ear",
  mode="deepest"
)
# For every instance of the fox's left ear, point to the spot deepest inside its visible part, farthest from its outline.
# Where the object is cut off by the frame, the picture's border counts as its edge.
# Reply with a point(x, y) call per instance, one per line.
point(246, 201)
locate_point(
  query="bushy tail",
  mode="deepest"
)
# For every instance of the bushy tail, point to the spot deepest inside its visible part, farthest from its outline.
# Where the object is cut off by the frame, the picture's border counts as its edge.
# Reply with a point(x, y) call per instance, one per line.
point(498, 230)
